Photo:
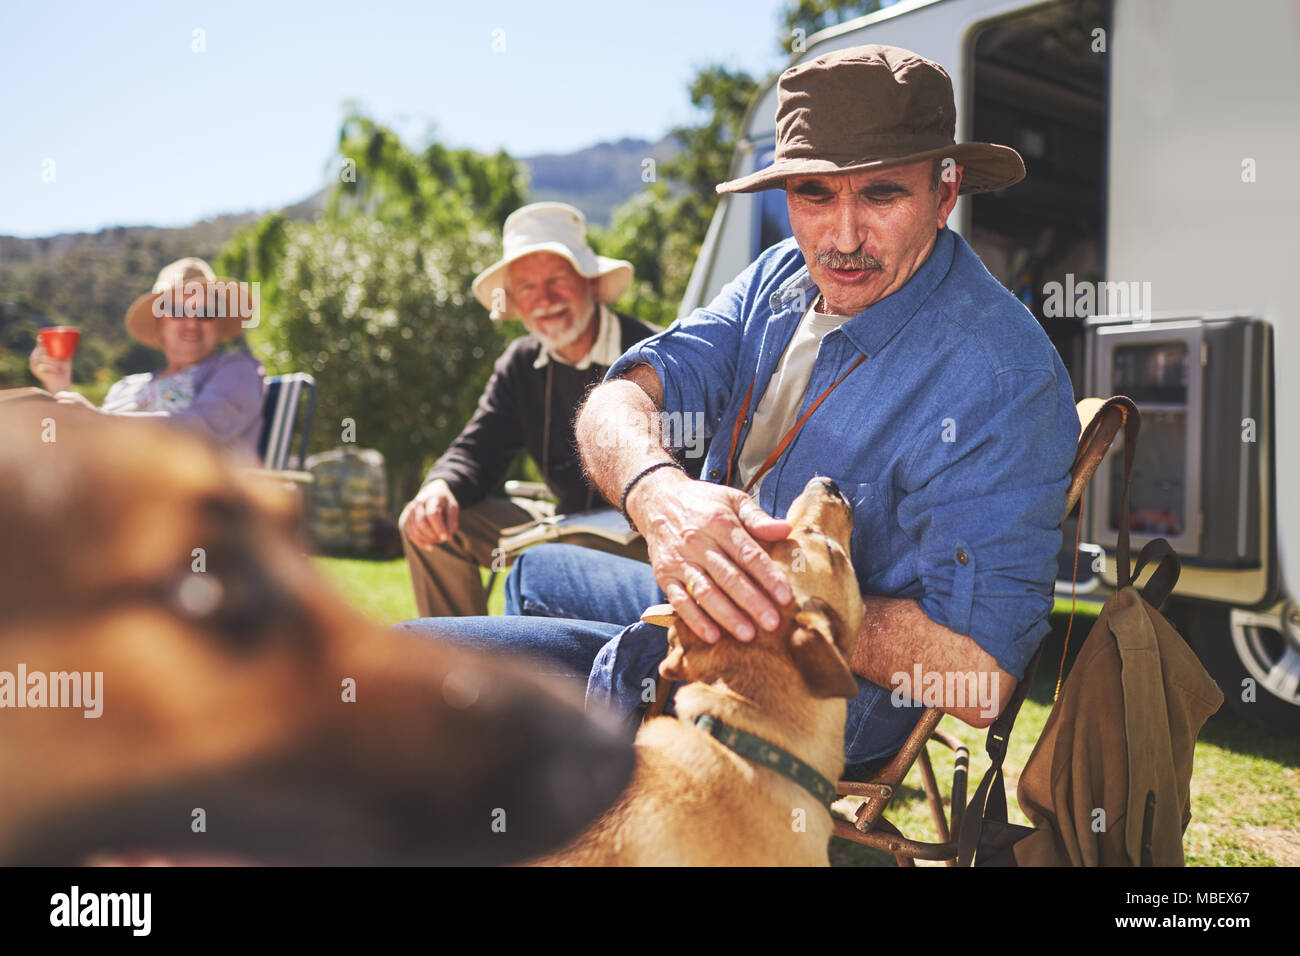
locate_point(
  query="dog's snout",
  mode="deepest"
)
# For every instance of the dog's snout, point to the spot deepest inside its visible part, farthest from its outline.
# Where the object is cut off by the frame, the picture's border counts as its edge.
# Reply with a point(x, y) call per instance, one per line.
point(832, 487)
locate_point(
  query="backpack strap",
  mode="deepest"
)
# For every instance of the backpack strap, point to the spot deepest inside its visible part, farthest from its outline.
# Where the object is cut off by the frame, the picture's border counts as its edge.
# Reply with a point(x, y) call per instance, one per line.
point(990, 800)
point(1164, 577)
point(1132, 423)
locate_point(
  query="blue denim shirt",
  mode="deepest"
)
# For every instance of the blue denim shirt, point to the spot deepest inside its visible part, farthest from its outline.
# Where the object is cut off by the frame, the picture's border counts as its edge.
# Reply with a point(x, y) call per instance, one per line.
point(953, 439)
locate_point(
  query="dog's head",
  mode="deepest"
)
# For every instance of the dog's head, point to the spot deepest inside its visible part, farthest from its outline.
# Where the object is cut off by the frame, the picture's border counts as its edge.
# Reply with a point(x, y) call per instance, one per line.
point(244, 710)
point(818, 629)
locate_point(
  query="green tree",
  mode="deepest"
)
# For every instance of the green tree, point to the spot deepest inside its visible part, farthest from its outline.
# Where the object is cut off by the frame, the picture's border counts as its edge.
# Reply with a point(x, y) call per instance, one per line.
point(380, 176)
point(810, 16)
point(383, 318)
point(660, 230)
point(373, 298)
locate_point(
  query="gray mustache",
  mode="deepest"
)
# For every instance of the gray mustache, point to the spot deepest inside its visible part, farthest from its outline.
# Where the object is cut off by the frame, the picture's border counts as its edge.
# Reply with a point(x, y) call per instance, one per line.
point(848, 260)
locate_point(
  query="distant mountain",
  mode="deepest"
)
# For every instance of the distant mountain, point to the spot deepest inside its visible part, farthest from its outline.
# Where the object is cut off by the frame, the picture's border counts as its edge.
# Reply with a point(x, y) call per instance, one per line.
point(88, 279)
point(599, 178)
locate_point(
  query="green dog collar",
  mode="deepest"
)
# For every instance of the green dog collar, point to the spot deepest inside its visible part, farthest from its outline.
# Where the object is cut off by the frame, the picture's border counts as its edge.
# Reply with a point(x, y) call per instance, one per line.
point(767, 754)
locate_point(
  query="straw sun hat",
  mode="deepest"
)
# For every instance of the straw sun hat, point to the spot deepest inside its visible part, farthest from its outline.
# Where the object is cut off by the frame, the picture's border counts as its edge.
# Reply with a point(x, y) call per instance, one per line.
point(190, 286)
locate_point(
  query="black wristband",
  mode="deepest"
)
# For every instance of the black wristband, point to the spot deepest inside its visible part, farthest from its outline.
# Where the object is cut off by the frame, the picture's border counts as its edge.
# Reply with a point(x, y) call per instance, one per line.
point(622, 505)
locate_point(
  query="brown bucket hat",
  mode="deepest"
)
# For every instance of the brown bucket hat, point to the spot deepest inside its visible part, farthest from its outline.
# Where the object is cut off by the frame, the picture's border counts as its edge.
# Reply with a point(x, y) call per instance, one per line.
point(869, 108)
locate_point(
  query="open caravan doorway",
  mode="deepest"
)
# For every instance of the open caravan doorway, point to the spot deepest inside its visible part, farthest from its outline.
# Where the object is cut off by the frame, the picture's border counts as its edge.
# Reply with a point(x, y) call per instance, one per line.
point(1038, 82)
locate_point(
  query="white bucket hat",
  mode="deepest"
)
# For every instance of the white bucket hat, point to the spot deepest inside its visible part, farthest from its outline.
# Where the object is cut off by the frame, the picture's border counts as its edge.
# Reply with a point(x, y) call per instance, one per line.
point(550, 227)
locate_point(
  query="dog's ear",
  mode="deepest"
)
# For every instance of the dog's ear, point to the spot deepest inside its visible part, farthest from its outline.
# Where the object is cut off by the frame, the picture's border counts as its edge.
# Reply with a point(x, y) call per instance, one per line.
point(817, 656)
point(680, 640)
point(672, 667)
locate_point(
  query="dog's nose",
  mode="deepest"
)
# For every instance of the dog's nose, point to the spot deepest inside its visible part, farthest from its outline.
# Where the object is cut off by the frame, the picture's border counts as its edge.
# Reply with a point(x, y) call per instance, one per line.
point(832, 488)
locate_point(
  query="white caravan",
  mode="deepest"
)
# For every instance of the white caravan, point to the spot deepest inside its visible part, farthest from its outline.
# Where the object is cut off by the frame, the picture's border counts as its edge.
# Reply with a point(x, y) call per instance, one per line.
point(1154, 238)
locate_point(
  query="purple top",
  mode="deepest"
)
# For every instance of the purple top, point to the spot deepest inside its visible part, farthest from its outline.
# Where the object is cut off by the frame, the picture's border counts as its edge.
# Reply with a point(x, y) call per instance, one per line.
point(220, 396)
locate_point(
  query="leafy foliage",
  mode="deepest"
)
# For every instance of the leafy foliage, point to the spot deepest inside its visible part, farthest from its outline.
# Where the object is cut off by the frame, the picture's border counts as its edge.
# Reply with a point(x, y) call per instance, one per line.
point(660, 231)
point(373, 298)
point(383, 318)
point(381, 177)
point(813, 15)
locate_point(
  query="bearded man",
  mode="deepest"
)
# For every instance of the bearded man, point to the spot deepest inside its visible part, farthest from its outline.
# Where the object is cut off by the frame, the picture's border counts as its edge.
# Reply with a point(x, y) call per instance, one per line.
point(550, 279)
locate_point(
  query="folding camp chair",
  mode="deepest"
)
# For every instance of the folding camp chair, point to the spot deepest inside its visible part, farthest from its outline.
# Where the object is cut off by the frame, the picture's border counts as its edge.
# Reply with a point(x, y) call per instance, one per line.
point(1102, 421)
point(282, 424)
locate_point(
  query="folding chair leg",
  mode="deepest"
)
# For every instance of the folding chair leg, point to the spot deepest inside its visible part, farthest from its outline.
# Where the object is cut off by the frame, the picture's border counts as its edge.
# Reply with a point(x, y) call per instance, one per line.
point(885, 836)
point(902, 858)
point(932, 796)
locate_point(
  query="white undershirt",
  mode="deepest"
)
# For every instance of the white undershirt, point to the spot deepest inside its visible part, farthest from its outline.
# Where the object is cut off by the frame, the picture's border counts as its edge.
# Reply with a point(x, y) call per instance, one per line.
point(779, 410)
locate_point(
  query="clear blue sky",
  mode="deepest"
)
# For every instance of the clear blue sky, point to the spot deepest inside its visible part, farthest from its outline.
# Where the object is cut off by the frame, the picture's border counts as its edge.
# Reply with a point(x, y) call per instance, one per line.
point(143, 130)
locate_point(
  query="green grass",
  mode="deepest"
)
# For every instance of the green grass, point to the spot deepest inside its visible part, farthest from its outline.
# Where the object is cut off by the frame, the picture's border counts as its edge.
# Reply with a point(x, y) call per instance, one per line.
point(382, 589)
point(1244, 810)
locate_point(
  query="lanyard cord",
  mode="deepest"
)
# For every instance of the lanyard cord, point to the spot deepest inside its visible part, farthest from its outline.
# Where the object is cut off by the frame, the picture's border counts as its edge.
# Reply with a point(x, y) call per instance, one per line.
point(779, 450)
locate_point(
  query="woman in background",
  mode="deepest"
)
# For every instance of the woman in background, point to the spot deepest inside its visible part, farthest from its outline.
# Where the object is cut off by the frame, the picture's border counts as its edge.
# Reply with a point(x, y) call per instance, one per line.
point(216, 392)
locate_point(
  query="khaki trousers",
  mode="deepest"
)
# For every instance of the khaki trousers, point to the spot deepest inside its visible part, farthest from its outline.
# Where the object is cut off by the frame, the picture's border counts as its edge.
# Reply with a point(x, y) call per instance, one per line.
point(446, 577)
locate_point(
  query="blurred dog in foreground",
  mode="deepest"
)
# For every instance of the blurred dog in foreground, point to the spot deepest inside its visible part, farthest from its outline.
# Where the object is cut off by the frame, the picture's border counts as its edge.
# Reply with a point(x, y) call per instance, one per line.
point(744, 773)
point(177, 682)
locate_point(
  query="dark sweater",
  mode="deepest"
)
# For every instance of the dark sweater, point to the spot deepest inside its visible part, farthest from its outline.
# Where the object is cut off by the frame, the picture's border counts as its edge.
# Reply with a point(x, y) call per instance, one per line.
point(532, 408)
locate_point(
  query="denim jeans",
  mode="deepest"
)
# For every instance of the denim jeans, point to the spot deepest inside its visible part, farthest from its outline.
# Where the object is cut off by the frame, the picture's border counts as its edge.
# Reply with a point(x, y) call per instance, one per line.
point(568, 607)
point(562, 580)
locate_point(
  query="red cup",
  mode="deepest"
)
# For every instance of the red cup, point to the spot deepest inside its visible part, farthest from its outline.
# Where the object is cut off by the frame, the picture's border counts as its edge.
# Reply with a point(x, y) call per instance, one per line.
point(60, 341)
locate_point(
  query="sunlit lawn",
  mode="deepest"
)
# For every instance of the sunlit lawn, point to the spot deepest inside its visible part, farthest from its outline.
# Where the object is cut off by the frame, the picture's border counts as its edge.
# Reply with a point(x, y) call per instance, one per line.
point(382, 589)
point(1244, 785)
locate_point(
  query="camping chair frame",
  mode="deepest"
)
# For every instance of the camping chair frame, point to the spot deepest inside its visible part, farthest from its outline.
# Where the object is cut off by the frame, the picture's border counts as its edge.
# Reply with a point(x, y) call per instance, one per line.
point(282, 426)
point(869, 826)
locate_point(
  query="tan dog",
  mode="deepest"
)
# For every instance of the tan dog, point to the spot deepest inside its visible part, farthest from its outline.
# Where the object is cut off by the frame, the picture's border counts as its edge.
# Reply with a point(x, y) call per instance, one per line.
point(244, 711)
point(692, 800)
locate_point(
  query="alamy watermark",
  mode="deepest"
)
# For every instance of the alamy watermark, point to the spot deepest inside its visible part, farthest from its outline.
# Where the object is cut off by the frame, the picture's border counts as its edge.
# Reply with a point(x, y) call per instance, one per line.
point(946, 690)
point(82, 689)
point(678, 432)
point(220, 299)
point(1071, 300)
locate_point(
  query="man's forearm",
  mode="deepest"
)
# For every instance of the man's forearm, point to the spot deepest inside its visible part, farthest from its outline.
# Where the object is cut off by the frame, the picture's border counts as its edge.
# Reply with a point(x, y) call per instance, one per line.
point(899, 646)
point(617, 433)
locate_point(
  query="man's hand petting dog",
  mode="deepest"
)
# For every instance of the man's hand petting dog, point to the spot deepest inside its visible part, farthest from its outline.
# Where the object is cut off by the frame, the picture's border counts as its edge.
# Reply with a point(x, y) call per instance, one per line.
point(703, 544)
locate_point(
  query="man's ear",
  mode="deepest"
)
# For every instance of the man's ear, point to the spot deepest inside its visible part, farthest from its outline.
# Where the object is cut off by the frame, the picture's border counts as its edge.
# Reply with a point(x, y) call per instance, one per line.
point(817, 657)
point(949, 189)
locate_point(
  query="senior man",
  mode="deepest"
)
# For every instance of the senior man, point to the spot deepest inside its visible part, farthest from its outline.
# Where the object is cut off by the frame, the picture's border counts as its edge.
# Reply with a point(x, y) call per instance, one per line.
point(550, 279)
point(873, 348)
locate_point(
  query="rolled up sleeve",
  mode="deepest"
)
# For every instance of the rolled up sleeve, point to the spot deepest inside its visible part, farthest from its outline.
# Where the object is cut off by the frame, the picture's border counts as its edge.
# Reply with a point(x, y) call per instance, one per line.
point(984, 498)
point(696, 357)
